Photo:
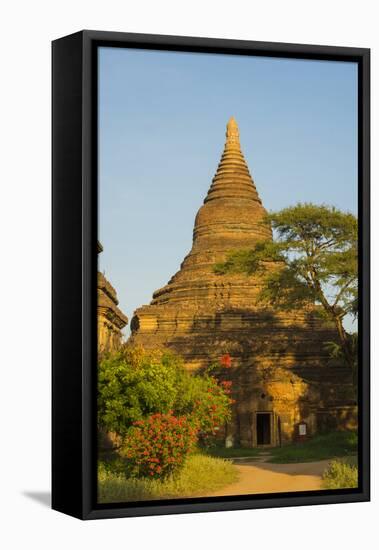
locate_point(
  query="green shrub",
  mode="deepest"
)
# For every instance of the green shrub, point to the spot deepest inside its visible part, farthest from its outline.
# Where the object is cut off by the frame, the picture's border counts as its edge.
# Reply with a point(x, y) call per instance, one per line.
point(134, 384)
point(157, 446)
point(200, 475)
point(208, 403)
point(340, 475)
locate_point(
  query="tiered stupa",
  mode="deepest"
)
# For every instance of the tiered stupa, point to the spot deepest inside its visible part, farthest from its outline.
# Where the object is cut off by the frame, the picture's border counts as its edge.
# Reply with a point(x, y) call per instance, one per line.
point(282, 372)
point(110, 319)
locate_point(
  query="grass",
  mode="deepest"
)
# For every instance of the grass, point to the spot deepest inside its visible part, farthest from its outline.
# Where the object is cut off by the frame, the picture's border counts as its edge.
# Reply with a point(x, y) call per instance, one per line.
point(341, 474)
point(200, 475)
point(232, 452)
point(320, 447)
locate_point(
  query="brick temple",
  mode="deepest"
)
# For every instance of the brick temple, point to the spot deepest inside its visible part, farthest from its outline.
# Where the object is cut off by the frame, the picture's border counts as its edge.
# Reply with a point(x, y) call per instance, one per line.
point(283, 376)
point(110, 319)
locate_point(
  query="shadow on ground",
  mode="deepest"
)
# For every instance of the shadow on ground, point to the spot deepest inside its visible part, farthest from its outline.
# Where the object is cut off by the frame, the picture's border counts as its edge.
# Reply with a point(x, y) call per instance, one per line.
point(42, 497)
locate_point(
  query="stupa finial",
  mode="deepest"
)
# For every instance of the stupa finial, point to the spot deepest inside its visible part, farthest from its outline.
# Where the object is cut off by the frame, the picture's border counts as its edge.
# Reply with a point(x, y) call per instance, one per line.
point(232, 132)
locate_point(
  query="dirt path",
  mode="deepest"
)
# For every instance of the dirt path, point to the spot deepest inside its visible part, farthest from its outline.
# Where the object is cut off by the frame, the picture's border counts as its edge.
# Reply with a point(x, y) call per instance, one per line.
point(264, 477)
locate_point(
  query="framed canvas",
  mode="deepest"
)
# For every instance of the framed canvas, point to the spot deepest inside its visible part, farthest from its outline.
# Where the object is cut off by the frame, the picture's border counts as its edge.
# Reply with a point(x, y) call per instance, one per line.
point(210, 275)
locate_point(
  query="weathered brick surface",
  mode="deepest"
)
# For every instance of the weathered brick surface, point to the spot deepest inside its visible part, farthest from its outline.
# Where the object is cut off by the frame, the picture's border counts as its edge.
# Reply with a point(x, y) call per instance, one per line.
point(110, 319)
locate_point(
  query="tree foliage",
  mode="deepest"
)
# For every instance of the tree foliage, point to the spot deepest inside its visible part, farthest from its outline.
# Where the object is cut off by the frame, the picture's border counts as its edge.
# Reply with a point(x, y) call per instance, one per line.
point(314, 258)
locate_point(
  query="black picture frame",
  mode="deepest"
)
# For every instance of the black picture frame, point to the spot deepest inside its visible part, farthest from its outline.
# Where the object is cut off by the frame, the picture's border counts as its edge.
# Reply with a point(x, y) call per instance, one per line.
point(74, 205)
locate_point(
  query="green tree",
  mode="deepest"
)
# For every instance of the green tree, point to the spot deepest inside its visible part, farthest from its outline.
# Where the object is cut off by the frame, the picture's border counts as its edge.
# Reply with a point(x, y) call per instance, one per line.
point(314, 258)
point(134, 384)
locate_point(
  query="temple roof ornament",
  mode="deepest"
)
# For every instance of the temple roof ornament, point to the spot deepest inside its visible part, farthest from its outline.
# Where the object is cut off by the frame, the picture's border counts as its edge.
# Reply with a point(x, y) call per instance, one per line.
point(232, 133)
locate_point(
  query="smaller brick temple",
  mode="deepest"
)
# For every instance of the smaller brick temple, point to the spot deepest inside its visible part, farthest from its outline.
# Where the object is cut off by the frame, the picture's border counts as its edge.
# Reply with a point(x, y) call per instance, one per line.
point(110, 319)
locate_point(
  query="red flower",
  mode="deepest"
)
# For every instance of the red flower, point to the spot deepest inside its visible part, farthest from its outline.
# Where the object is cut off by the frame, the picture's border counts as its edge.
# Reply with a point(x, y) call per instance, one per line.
point(226, 361)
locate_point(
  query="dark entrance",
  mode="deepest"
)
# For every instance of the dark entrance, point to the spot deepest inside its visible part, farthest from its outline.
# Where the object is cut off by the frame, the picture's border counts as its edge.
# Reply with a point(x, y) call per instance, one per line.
point(263, 428)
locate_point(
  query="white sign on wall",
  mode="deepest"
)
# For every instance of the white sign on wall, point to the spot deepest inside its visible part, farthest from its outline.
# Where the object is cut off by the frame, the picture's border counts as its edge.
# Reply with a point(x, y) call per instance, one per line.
point(302, 429)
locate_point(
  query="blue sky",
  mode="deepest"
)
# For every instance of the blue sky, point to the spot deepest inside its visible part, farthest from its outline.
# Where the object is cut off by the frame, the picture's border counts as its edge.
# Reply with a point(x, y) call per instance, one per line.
point(162, 118)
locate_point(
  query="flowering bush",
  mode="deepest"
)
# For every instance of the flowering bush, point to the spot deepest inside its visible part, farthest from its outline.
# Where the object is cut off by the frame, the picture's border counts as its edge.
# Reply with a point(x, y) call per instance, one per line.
point(212, 409)
point(134, 384)
point(157, 446)
point(157, 409)
point(214, 412)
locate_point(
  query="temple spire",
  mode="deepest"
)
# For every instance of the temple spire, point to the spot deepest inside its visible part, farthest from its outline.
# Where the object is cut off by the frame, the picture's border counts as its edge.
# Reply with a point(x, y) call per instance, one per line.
point(232, 134)
point(232, 179)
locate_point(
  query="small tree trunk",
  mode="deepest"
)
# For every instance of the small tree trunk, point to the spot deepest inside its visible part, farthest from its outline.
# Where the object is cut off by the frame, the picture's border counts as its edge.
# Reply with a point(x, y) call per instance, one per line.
point(342, 334)
point(345, 343)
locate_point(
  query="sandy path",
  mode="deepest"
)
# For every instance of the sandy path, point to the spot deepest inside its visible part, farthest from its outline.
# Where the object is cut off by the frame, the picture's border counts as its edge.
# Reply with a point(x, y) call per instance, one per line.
point(275, 478)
